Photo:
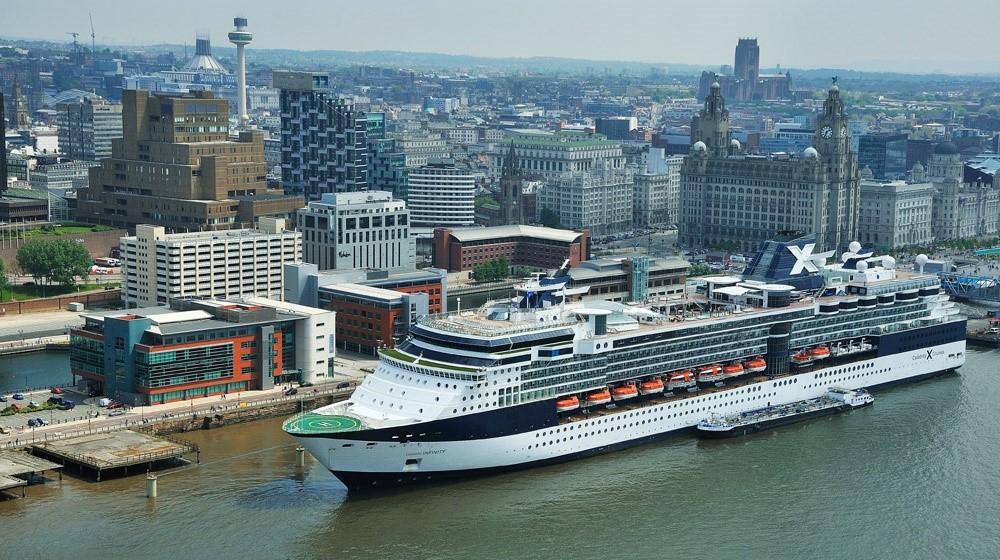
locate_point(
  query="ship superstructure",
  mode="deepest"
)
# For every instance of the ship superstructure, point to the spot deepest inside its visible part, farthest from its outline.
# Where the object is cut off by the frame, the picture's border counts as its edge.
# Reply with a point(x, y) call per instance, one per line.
point(541, 378)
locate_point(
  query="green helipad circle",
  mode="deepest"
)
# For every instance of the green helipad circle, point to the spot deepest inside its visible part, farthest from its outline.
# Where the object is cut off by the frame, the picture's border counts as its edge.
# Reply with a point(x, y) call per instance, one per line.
point(322, 423)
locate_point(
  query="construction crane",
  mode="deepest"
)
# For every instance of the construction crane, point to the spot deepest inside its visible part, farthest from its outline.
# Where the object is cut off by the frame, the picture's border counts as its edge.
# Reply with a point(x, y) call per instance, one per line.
point(93, 36)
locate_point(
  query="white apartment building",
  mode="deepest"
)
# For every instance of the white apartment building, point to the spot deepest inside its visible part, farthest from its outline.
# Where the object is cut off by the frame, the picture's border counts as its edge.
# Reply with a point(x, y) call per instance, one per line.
point(442, 195)
point(157, 266)
point(599, 199)
point(657, 192)
point(357, 230)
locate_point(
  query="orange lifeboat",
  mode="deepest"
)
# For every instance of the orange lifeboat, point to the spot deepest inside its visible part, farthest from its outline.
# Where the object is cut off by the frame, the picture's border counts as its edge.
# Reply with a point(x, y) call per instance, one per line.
point(756, 365)
point(602, 396)
point(680, 380)
point(567, 404)
point(651, 387)
point(820, 352)
point(709, 374)
point(624, 392)
point(734, 369)
point(802, 358)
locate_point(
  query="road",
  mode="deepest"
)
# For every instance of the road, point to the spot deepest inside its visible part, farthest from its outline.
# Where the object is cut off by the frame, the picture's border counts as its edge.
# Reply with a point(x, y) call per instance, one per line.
point(33, 325)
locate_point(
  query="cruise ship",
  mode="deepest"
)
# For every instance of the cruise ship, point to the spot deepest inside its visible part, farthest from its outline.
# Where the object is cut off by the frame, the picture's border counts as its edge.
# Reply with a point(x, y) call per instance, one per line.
point(548, 376)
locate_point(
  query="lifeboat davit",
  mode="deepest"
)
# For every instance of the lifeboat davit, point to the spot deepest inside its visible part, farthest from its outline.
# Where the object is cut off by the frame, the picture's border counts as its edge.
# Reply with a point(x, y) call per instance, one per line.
point(599, 397)
point(624, 393)
point(820, 352)
point(680, 380)
point(756, 365)
point(651, 387)
point(567, 404)
point(733, 370)
point(802, 358)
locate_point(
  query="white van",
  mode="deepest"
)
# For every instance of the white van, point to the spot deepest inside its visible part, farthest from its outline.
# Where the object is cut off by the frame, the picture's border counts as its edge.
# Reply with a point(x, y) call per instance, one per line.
point(104, 402)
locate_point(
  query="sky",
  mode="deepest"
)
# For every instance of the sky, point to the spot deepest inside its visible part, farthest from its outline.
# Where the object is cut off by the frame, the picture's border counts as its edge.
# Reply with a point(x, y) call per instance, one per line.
point(899, 35)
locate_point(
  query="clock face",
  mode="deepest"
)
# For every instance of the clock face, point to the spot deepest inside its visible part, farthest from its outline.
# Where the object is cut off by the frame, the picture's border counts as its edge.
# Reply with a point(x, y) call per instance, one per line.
point(844, 132)
point(826, 132)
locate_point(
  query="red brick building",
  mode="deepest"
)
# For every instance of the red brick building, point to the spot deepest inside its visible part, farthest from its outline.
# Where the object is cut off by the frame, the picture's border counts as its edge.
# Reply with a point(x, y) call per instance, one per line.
point(462, 249)
point(370, 318)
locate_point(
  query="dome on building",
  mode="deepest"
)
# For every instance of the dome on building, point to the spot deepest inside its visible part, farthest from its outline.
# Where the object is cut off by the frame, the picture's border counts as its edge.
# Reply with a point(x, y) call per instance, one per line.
point(715, 85)
point(699, 146)
point(834, 88)
point(866, 173)
point(810, 153)
point(946, 148)
point(917, 168)
point(735, 144)
point(203, 61)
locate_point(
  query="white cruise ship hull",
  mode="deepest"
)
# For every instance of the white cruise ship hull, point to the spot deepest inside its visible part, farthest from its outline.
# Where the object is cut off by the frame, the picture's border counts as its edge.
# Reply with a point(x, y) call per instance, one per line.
point(375, 464)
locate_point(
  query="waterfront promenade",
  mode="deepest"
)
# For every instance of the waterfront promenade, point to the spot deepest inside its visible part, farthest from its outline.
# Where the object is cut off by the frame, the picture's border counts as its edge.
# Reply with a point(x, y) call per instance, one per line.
point(350, 368)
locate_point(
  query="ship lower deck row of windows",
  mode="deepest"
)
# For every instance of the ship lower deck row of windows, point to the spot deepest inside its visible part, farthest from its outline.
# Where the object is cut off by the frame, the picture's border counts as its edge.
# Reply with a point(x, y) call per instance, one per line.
point(434, 372)
point(878, 315)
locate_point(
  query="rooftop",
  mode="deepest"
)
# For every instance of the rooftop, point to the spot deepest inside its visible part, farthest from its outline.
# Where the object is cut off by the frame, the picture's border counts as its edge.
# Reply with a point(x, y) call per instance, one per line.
point(365, 291)
point(481, 234)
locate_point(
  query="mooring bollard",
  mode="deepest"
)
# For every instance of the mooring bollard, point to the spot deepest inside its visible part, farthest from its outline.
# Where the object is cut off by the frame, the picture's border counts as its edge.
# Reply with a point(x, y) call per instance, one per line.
point(151, 485)
point(300, 457)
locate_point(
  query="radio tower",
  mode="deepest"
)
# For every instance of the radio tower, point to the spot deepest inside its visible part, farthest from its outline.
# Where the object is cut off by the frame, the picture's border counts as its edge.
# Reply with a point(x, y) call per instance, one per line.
point(241, 38)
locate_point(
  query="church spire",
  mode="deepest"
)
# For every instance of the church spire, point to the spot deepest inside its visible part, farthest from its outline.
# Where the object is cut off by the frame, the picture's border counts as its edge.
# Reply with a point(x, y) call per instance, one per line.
point(510, 167)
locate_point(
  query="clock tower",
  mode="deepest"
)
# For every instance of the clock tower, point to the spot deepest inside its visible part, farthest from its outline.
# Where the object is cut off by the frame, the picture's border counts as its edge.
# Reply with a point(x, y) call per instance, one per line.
point(839, 171)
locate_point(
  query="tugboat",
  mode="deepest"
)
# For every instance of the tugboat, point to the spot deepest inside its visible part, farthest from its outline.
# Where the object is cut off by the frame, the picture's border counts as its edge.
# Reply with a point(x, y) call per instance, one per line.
point(837, 399)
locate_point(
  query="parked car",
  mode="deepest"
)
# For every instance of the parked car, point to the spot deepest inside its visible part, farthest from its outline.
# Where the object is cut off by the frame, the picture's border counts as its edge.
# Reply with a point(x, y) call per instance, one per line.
point(3, 398)
point(343, 385)
point(291, 391)
point(104, 402)
point(117, 413)
point(37, 422)
point(68, 404)
point(18, 396)
point(32, 404)
point(57, 391)
point(305, 384)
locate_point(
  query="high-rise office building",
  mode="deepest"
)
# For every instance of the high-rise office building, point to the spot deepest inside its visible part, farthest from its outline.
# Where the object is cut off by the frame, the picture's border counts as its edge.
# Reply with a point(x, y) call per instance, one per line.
point(442, 195)
point(731, 200)
point(357, 230)
point(616, 128)
point(884, 154)
point(323, 137)
point(158, 266)
point(86, 128)
point(176, 167)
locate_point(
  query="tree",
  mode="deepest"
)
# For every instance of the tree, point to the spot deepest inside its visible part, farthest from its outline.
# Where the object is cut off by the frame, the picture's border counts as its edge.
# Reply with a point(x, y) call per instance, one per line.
point(55, 260)
point(549, 218)
point(4, 278)
point(492, 270)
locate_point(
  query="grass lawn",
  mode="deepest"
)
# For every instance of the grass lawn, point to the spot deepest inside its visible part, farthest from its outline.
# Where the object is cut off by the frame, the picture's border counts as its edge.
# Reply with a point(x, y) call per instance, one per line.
point(67, 228)
point(21, 293)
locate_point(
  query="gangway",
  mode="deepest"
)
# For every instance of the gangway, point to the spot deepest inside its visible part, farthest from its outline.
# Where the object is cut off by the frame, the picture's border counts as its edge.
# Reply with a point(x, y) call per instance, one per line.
point(985, 289)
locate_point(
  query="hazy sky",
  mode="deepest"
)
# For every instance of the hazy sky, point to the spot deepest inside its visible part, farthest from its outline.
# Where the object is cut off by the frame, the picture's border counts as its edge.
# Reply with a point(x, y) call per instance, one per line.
point(904, 35)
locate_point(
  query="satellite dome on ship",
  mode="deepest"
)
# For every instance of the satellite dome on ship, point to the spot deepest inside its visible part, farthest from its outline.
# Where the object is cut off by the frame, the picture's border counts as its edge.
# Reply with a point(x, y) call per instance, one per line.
point(203, 61)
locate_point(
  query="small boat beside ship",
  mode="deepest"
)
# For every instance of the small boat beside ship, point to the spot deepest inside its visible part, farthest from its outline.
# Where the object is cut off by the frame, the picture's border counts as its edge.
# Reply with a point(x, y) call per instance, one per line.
point(837, 399)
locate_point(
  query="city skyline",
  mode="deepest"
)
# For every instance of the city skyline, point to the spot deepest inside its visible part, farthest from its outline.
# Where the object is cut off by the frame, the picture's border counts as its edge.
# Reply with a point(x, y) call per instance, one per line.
point(854, 36)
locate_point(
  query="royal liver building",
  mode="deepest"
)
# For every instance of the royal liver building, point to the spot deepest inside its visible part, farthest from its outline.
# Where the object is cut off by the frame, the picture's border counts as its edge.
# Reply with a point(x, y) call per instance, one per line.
point(730, 199)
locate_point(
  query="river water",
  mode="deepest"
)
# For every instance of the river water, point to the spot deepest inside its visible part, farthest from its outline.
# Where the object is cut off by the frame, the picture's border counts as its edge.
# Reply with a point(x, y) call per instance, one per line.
point(915, 476)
